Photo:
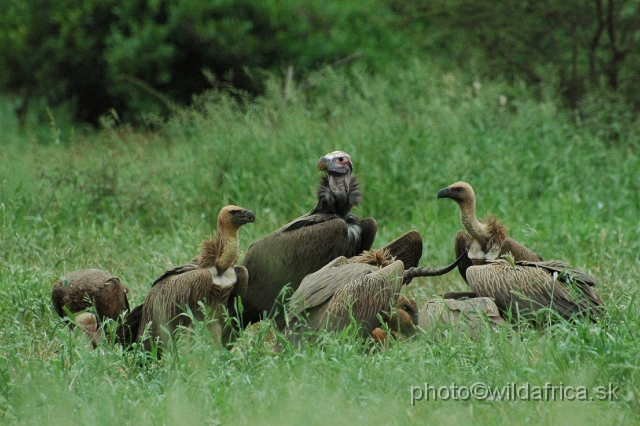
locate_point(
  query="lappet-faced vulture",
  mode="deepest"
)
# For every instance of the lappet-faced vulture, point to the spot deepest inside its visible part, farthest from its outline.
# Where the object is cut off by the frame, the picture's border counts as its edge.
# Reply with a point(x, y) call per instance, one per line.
point(346, 290)
point(209, 278)
point(90, 289)
point(309, 242)
point(521, 289)
point(483, 240)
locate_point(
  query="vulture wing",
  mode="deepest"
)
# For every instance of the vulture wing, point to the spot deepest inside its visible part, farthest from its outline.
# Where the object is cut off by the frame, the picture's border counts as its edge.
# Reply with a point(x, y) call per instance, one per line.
point(461, 241)
point(524, 289)
point(170, 297)
point(127, 330)
point(286, 256)
point(407, 248)
point(318, 287)
point(469, 315)
point(363, 298)
point(242, 280)
point(192, 265)
point(518, 251)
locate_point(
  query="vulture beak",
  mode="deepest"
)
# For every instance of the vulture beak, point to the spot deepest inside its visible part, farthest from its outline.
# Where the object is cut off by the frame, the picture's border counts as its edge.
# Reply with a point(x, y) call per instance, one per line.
point(243, 216)
point(444, 193)
point(338, 162)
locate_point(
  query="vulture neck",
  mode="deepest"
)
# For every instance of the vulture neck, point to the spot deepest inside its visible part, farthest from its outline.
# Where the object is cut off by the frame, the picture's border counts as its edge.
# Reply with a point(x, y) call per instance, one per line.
point(473, 226)
point(337, 194)
point(222, 250)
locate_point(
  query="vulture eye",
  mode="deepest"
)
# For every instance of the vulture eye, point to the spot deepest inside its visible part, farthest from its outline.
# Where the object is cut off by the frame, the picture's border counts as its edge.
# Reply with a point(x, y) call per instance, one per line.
point(340, 159)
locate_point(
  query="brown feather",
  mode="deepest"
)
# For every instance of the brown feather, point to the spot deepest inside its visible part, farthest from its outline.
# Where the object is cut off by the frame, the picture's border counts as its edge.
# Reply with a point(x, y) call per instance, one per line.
point(470, 316)
point(86, 288)
point(329, 298)
point(521, 289)
point(202, 280)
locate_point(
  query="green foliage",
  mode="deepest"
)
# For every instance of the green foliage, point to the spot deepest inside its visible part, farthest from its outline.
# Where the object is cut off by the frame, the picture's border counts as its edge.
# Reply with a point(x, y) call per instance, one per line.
point(138, 204)
point(140, 58)
point(581, 49)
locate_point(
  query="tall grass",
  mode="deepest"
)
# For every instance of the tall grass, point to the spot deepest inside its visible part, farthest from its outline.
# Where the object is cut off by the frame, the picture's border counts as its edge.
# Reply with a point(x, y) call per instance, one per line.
point(139, 203)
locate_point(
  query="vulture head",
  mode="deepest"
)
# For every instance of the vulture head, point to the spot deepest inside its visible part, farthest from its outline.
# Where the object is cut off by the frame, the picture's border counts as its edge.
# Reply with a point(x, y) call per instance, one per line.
point(337, 191)
point(460, 192)
point(89, 324)
point(233, 217)
point(405, 317)
point(221, 251)
point(490, 232)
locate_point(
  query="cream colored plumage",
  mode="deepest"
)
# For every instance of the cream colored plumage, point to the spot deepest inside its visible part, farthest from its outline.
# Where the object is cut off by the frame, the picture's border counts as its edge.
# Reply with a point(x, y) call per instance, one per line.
point(483, 240)
point(209, 278)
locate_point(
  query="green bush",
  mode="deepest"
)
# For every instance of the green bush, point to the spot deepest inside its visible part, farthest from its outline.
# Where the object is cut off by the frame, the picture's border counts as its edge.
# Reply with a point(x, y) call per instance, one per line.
point(141, 57)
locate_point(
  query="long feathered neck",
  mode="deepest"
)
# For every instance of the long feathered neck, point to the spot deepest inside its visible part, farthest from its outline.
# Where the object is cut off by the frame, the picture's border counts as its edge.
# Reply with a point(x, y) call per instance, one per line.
point(337, 194)
point(473, 226)
point(488, 232)
point(220, 251)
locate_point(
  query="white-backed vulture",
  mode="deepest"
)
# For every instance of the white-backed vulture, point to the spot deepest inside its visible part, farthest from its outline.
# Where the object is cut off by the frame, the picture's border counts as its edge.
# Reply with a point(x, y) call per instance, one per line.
point(345, 290)
point(483, 240)
point(309, 242)
point(209, 278)
point(470, 316)
point(328, 299)
point(522, 289)
point(89, 324)
point(90, 288)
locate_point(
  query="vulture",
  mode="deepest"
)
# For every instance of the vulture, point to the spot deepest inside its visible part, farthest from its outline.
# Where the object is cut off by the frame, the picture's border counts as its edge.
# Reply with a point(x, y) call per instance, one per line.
point(470, 316)
point(401, 323)
point(483, 240)
point(210, 278)
point(522, 288)
point(94, 289)
point(519, 281)
point(467, 315)
point(89, 324)
point(346, 290)
point(307, 243)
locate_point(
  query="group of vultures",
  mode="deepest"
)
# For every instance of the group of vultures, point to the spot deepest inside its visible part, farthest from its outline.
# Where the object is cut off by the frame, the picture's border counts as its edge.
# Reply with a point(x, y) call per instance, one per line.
point(319, 273)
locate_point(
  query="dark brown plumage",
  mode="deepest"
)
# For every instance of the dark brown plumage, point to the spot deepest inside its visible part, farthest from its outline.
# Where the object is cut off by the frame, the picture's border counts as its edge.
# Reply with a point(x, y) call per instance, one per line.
point(87, 288)
point(209, 278)
point(483, 240)
point(309, 242)
point(521, 289)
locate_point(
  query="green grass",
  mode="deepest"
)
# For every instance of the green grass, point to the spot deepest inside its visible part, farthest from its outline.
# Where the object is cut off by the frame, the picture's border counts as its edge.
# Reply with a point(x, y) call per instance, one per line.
point(138, 203)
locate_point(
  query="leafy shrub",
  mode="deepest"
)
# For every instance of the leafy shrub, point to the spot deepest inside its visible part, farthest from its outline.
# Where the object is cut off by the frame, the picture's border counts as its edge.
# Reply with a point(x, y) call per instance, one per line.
point(139, 57)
